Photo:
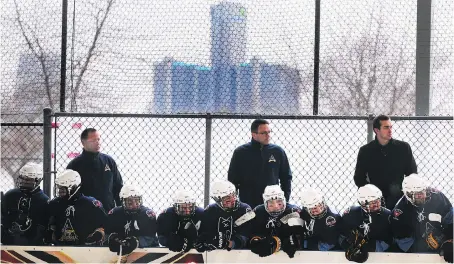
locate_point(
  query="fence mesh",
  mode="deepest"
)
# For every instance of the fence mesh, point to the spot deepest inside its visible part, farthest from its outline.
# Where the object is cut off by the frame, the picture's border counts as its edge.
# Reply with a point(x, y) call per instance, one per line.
point(221, 57)
point(163, 155)
point(21, 143)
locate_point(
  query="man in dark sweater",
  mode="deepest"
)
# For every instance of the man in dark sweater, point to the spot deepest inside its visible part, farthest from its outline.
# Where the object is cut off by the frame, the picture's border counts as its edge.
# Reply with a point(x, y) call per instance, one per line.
point(384, 162)
point(100, 176)
point(258, 164)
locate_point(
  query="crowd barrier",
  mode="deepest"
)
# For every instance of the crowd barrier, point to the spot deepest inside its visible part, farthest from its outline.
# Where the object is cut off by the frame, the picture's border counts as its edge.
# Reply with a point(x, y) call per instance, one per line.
point(23, 254)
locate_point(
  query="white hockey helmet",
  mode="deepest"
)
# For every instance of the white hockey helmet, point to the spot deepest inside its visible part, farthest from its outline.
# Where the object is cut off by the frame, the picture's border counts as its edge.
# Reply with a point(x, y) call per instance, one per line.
point(274, 193)
point(369, 197)
point(184, 203)
point(30, 176)
point(131, 197)
point(68, 183)
point(224, 194)
point(415, 189)
point(313, 202)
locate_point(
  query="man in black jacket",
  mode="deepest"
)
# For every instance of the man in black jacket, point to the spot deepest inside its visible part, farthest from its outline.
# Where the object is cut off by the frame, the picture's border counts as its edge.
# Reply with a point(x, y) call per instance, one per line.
point(384, 162)
point(258, 164)
point(100, 176)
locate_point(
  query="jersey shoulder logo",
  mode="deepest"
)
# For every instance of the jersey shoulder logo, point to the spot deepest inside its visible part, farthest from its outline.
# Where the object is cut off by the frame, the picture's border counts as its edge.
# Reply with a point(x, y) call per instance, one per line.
point(272, 159)
point(150, 213)
point(330, 221)
point(97, 203)
point(397, 213)
point(107, 168)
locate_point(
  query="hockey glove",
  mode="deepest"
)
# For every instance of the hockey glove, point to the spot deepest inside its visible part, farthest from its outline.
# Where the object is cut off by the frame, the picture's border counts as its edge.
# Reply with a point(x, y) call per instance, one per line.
point(290, 245)
point(114, 243)
point(434, 239)
point(129, 245)
point(95, 237)
point(357, 251)
point(359, 255)
point(265, 246)
point(446, 250)
point(175, 243)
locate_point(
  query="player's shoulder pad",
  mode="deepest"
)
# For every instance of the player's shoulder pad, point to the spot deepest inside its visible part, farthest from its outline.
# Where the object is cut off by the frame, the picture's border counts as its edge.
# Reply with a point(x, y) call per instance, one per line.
point(290, 208)
point(147, 212)
point(244, 207)
point(332, 211)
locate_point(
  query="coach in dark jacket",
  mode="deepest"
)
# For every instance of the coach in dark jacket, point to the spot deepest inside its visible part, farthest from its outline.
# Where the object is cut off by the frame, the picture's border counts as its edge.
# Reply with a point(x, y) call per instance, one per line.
point(98, 171)
point(384, 162)
point(258, 164)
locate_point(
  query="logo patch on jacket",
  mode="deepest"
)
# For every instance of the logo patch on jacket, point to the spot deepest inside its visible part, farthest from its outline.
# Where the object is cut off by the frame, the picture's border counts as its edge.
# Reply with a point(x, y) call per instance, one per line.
point(107, 168)
point(97, 203)
point(397, 213)
point(150, 213)
point(330, 221)
point(272, 159)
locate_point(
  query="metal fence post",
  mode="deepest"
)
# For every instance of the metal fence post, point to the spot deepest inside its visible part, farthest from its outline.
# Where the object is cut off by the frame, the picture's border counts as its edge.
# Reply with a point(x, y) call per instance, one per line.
point(370, 128)
point(206, 194)
point(47, 147)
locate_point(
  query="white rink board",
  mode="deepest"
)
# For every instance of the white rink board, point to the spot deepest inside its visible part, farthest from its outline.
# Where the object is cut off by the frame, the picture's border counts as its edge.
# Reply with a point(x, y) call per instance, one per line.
point(161, 255)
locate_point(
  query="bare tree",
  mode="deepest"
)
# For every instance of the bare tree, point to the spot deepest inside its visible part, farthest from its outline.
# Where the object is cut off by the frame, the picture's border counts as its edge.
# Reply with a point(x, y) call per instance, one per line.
point(371, 75)
point(37, 87)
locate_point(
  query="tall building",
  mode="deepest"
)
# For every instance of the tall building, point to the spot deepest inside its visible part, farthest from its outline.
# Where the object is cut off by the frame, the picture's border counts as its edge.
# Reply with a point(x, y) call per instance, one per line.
point(228, 34)
point(230, 85)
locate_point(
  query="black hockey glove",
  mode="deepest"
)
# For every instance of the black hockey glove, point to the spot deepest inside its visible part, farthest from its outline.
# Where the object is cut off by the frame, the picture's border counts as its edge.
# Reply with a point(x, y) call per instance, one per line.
point(129, 245)
point(265, 246)
point(359, 255)
point(435, 238)
point(357, 251)
point(446, 250)
point(176, 243)
point(95, 237)
point(290, 244)
point(114, 243)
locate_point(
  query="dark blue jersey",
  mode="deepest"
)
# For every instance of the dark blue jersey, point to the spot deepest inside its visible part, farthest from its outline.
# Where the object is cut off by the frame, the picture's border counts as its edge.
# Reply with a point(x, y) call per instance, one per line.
point(264, 225)
point(140, 224)
point(215, 220)
point(321, 233)
point(74, 220)
point(23, 217)
point(411, 224)
point(169, 222)
point(375, 227)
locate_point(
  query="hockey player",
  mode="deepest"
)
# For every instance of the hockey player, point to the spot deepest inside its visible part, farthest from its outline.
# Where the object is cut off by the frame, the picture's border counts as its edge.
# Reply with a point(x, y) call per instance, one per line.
point(321, 222)
point(276, 225)
point(422, 219)
point(75, 219)
point(366, 228)
point(131, 225)
point(178, 225)
point(226, 223)
point(23, 222)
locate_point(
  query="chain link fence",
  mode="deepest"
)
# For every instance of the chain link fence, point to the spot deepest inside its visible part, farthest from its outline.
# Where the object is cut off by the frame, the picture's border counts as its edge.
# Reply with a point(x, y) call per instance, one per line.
point(164, 154)
point(250, 57)
point(21, 143)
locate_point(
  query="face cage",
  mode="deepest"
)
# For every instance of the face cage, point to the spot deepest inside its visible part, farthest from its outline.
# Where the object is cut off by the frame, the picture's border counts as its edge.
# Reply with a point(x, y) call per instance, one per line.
point(181, 212)
point(321, 215)
point(235, 206)
point(411, 197)
point(275, 213)
point(366, 207)
point(26, 184)
point(70, 191)
point(135, 199)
